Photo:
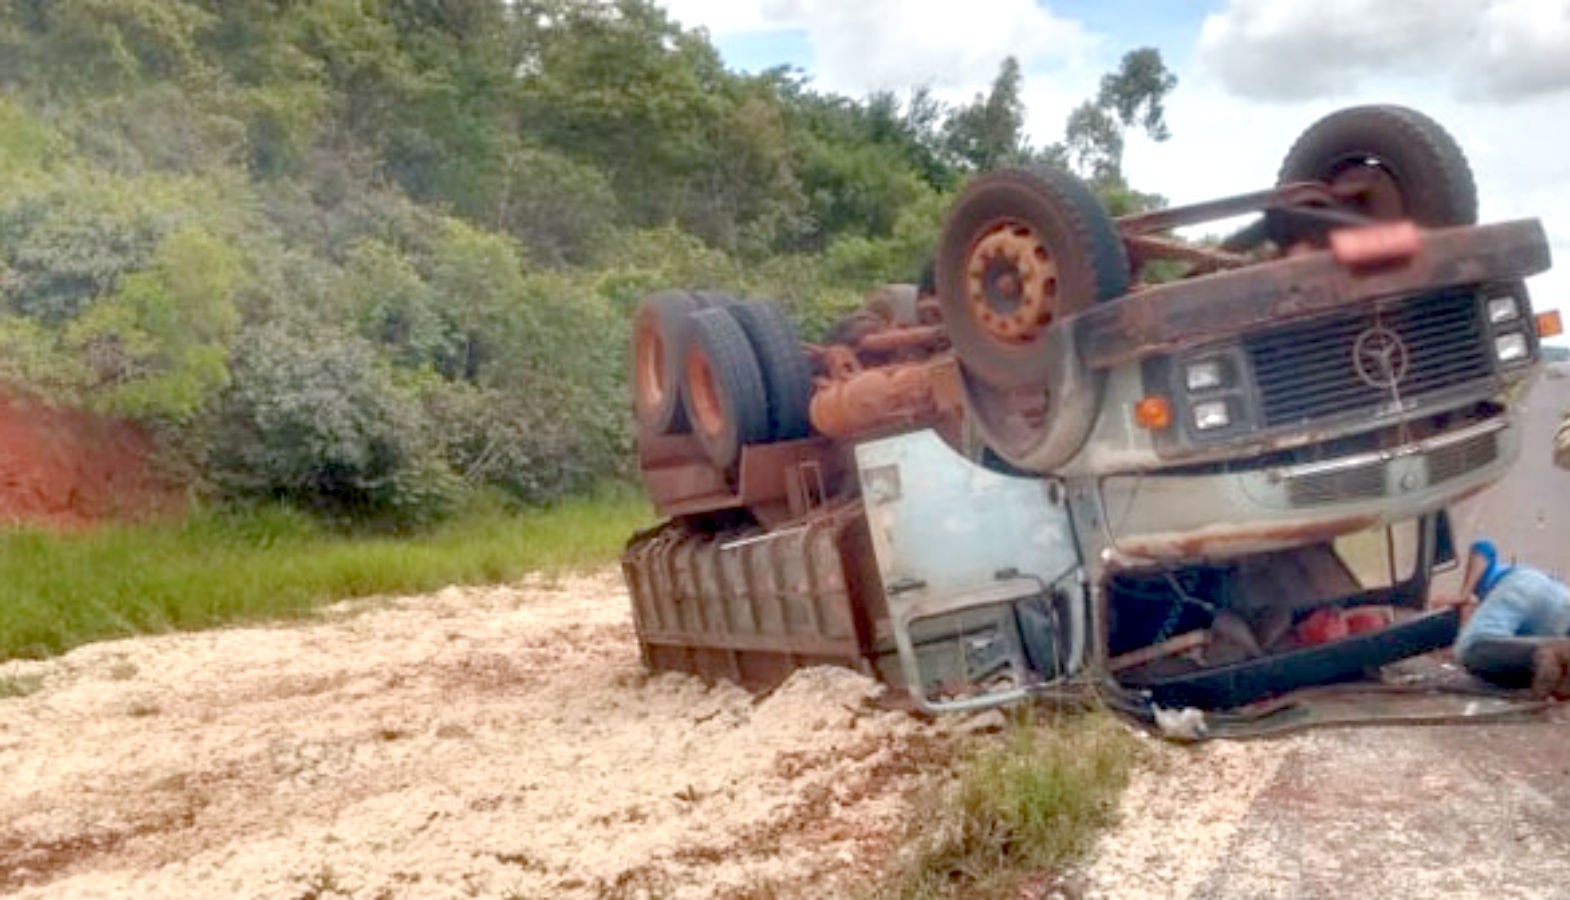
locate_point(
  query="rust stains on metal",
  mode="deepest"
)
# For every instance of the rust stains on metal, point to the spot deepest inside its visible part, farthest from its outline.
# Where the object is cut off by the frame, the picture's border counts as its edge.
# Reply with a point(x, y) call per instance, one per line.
point(1304, 193)
point(752, 605)
point(1194, 311)
point(1143, 248)
point(892, 340)
point(1221, 541)
point(902, 395)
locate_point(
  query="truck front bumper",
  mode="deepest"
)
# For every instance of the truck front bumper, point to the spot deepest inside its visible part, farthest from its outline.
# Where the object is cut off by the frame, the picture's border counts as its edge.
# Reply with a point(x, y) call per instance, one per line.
point(1156, 519)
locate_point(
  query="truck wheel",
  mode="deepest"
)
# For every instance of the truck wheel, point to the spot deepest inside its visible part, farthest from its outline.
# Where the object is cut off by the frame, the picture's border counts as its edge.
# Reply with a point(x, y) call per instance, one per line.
point(658, 333)
point(722, 387)
point(786, 378)
point(1388, 162)
point(1020, 249)
point(708, 299)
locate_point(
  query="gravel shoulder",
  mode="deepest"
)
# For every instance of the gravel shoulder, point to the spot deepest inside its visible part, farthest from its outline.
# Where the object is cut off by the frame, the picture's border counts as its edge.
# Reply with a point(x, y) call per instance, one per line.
point(477, 742)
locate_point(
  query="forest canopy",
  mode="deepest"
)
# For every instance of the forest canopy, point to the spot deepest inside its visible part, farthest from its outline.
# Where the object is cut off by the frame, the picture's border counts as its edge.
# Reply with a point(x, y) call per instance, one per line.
point(373, 256)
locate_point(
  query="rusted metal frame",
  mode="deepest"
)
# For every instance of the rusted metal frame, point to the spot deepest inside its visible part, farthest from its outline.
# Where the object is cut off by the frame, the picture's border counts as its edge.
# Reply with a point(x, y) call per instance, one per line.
point(902, 338)
point(1187, 313)
point(665, 605)
point(1183, 643)
point(727, 597)
point(810, 571)
point(1143, 248)
point(744, 565)
point(694, 581)
point(793, 646)
point(1295, 194)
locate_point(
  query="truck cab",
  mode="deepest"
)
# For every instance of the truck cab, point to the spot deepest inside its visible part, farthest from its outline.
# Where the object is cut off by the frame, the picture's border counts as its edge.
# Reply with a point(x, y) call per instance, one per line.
point(1096, 451)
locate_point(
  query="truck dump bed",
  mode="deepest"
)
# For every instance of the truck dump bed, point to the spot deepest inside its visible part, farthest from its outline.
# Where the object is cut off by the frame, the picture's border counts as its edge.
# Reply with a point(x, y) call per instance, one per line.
point(752, 605)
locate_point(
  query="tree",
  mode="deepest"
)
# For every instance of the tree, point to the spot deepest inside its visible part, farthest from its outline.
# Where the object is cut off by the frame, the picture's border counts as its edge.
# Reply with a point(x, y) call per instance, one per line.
point(990, 131)
point(1133, 95)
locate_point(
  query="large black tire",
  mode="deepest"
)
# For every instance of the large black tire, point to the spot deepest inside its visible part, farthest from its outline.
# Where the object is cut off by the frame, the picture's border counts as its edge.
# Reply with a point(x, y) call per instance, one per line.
point(1431, 179)
point(786, 376)
point(1054, 212)
point(659, 331)
point(722, 387)
point(708, 299)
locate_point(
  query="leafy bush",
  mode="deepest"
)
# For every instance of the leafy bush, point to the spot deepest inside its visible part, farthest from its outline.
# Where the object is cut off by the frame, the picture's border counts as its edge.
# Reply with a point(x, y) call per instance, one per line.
point(159, 347)
point(523, 446)
point(314, 418)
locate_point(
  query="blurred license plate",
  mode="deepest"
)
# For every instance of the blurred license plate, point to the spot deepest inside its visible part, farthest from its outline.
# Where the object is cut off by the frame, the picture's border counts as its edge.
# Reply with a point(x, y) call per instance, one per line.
point(1369, 245)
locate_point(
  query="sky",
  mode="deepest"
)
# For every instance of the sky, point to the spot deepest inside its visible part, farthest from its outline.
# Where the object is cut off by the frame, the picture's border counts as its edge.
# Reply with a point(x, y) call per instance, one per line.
point(1252, 75)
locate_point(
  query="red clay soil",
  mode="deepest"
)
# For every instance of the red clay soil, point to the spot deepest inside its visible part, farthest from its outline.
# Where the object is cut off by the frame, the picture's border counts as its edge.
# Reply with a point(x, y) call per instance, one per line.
point(69, 469)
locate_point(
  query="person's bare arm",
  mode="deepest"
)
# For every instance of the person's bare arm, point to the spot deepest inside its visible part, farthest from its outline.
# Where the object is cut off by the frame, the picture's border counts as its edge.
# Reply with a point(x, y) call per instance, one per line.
point(1475, 567)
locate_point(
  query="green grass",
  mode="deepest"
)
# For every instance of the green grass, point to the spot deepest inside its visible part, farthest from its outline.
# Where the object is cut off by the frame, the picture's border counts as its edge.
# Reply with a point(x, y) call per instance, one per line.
point(60, 591)
point(1018, 808)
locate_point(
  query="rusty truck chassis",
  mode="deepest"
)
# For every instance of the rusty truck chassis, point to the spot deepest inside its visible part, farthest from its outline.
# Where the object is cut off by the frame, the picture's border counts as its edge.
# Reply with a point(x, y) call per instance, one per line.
point(769, 567)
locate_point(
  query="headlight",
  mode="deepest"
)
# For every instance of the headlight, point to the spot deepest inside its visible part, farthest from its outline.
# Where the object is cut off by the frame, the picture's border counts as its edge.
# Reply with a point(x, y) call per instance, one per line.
point(1212, 414)
point(1503, 309)
point(1510, 347)
point(1204, 376)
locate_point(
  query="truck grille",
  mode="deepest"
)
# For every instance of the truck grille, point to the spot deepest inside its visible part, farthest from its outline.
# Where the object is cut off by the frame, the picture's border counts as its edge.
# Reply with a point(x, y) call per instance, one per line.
point(1335, 487)
point(1307, 371)
point(1459, 459)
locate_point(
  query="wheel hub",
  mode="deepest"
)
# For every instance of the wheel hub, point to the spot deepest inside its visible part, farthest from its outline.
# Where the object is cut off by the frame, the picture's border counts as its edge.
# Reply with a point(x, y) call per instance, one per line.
point(1011, 283)
point(708, 412)
point(649, 353)
point(1371, 188)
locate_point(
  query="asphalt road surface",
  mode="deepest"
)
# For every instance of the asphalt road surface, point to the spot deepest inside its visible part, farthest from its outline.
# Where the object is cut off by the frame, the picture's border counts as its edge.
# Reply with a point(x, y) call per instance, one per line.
point(1444, 811)
point(1528, 514)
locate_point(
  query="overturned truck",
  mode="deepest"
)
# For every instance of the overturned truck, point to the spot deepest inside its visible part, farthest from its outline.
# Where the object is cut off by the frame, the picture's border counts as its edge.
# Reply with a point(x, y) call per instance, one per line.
point(1043, 468)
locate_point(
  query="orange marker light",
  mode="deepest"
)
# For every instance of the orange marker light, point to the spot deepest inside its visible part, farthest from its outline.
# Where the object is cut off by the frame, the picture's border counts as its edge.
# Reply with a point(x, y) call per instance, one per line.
point(1153, 413)
point(1549, 324)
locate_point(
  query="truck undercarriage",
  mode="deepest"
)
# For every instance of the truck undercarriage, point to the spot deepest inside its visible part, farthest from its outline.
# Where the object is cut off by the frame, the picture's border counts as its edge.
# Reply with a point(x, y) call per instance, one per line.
point(1045, 470)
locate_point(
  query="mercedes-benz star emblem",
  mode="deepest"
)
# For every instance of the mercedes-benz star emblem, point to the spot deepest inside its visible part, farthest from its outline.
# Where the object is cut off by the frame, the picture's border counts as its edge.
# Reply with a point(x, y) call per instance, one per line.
point(1380, 357)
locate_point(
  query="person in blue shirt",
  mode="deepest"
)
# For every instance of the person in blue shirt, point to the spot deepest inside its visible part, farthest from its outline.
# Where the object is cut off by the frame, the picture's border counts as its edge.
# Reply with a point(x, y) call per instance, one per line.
point(1519, 633)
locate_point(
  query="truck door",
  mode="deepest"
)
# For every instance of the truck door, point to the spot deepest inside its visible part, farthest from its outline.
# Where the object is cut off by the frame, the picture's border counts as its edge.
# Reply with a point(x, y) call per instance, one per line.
point(981, 571)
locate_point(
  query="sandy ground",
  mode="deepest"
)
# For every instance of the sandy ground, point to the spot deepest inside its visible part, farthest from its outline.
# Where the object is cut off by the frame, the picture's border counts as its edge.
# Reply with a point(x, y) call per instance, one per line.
point(504, 742)
point(495, 742)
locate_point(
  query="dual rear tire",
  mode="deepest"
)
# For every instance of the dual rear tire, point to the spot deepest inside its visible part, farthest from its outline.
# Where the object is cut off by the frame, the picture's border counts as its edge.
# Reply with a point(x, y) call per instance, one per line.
point(730, 371)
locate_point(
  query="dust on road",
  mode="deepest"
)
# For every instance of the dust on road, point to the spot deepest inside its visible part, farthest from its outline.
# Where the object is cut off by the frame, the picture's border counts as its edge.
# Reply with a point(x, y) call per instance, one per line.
point(477, 742)
point(1451, 811)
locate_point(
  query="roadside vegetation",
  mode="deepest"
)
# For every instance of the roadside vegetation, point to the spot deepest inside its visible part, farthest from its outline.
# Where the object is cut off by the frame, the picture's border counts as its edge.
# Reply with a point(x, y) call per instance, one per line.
point(243, 564)
point(1017, 810)
point(372, 258)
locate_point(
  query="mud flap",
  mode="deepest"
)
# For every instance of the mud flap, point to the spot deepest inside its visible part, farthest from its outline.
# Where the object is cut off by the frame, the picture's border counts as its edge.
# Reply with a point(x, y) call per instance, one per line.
point(982, 575)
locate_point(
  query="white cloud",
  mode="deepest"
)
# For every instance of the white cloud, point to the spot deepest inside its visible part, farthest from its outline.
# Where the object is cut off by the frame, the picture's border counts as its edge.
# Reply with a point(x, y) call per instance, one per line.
point(725, 16)
point(1266, 70)
point(897, 44)
point(1300, 49)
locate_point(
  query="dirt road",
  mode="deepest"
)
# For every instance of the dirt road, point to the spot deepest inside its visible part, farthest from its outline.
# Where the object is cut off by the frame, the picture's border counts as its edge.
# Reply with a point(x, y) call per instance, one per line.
point(503, 742)
point(497, 742)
